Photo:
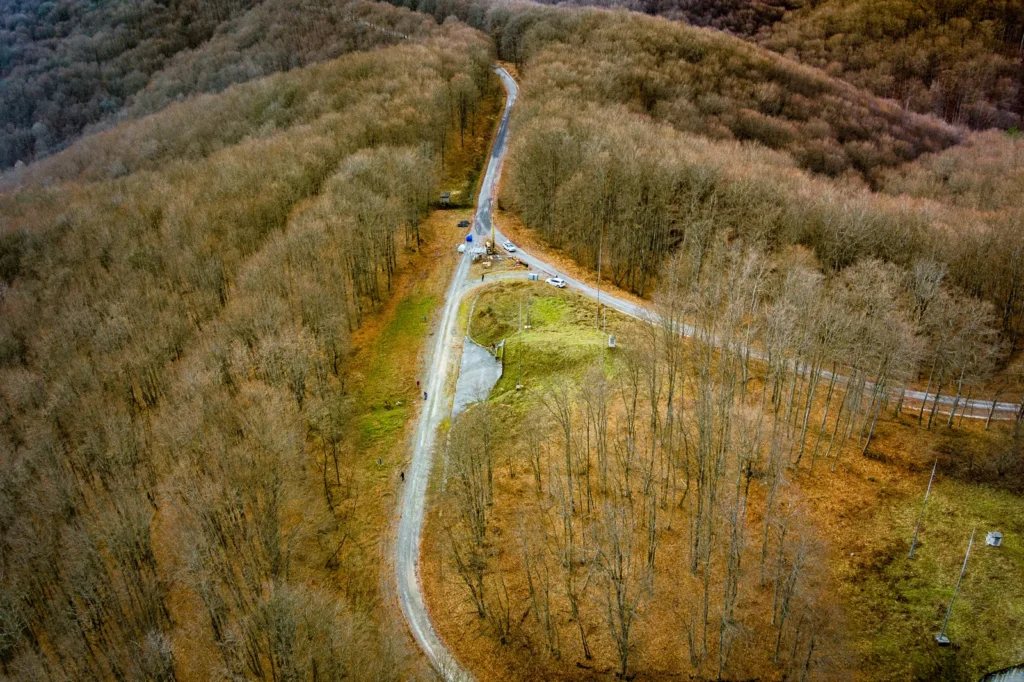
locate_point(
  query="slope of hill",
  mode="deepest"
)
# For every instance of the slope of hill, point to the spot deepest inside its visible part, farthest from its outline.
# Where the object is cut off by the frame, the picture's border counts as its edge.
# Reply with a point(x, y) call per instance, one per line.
point(633, 130)
point(985, 173)
point(277, 35)
point(960, 61)
point(182, 473)
point(68, 66)
point(708, 83)
point(65, 65)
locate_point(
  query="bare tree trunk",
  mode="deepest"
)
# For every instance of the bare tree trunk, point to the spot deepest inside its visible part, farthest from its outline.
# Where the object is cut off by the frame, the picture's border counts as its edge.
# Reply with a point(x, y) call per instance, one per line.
point(938, 394)
point(835, 428)
point(813, 385)
point(956, 399)
point(927, 388)
point(824, 416)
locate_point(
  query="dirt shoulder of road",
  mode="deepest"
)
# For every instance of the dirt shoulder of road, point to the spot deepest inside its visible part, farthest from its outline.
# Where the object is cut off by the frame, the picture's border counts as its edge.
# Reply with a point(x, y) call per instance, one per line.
point(513, 228)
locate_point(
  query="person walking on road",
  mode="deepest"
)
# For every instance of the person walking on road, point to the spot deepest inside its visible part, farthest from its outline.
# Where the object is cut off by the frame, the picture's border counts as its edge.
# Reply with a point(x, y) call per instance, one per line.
point(424, 395)
point(403, 477)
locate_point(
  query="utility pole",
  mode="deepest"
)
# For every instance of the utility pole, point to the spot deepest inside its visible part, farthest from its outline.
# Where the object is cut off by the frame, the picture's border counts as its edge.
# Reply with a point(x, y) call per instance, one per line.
point(920, 516)
point(528, 325)
point(941, 638)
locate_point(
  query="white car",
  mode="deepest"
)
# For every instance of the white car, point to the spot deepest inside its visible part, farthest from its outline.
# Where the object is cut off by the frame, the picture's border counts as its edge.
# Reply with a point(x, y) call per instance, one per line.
point(556, 282)
point(509, 246)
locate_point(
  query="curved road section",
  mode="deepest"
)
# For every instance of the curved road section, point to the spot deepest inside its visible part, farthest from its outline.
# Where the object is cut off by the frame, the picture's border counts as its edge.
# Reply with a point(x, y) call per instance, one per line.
point(410, 594)
point(978, 406)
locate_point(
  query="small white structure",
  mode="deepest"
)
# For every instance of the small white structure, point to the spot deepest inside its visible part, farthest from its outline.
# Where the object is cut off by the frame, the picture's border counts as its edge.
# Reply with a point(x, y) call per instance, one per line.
point(611, 340)
point(994, 539)
point(533, 276)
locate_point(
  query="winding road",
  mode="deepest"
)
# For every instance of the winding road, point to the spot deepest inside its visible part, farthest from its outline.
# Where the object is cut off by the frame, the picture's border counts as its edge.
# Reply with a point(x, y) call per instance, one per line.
point(407, 544)
point(446, 345)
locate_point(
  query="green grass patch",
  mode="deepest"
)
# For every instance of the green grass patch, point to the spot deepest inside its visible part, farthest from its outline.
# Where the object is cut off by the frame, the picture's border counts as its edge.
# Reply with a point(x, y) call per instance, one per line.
point(549, 311)
point(381, 425)
point(496, 315)
point(562, 339)
point(901, 602)
point(399, 341)
point(389, 387)
point(548, 355)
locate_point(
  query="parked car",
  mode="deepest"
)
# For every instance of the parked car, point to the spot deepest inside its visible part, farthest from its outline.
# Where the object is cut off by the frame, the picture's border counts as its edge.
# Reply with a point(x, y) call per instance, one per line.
point(464, 223)
point(556, 282)
point(509, 246)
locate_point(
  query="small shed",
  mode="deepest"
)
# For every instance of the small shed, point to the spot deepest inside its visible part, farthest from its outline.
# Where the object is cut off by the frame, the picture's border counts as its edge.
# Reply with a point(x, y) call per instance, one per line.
point(994, 539)
point(533, 276)
point(611, 340)
point(446, 198)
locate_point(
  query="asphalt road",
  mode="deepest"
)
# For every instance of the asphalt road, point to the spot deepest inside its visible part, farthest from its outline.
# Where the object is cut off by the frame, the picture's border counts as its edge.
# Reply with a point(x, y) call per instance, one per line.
point(435, 409)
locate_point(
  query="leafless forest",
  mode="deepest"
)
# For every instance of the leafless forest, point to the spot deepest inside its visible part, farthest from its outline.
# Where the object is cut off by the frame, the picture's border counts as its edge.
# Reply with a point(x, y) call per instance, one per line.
point(221, 200)
point(173, 347)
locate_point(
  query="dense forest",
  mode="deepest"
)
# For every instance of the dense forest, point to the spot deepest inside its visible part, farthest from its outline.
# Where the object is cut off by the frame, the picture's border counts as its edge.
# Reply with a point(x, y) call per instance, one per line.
point(174, 347)
point(607, 144)
point(180, 290)
point(709, 84)
point(960, 61)
point(277, 35)
point(66, 66)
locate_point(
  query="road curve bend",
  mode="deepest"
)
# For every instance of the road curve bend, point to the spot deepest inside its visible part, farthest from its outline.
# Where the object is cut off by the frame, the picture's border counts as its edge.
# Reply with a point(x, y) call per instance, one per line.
point(410, 525)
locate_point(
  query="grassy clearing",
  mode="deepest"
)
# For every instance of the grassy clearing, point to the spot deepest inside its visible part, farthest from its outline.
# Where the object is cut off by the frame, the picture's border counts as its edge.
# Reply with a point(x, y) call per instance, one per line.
point(562, 340)
point(388, 390)
point(901, 602)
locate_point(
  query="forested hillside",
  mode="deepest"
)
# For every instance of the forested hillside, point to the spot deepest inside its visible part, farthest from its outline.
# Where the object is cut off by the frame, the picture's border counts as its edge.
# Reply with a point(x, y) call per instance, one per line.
point(985, 172)
point(960, 61)
point(66, 65)
point(625, 148)
point(208, 339)
point(174, 344)
point(707, 83)
point(277, 35)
